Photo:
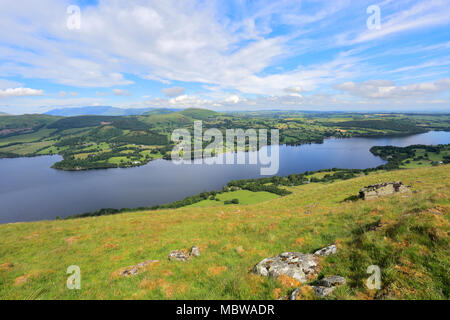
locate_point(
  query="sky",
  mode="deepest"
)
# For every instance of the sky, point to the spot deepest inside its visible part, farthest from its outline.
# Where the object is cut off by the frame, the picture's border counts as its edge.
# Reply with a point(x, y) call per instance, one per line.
point(230, 55)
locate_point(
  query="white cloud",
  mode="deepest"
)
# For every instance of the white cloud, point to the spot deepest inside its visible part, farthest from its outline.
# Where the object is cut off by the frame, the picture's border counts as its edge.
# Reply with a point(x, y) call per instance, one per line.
point(177, 45)
point(120, 92)
point(5, 84)
point(423, 14)
point(64, 93)
point(173, 92)
point(199, 41)
point(388, 89)
point(20, 92)
point(233, 99)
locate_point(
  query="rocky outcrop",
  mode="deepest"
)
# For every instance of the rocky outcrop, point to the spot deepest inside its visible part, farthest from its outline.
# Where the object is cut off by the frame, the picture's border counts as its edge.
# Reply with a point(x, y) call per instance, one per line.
point(382, 189)
point(300, 266)
point(133, 270)
point(332, 249)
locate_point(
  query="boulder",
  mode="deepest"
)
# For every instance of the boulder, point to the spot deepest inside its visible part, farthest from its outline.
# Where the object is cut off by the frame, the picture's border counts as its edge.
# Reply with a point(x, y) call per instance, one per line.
point(332, 249)
point(178, 255)
point(300, 266)
point(382, 189)
point(195, 252)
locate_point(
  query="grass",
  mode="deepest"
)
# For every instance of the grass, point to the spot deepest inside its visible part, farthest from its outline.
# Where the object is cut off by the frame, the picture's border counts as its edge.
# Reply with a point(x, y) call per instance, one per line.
point(27, 148)
point(25, 138)
point(427, 159)
point(410, 245)
point(244, 196)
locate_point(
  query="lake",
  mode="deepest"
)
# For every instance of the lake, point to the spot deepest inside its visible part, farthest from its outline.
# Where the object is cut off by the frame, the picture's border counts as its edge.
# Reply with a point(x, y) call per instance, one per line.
point(30, 190)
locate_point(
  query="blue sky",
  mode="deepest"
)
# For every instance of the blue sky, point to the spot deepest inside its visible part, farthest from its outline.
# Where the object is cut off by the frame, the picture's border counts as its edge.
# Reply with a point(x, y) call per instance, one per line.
point(225, 55)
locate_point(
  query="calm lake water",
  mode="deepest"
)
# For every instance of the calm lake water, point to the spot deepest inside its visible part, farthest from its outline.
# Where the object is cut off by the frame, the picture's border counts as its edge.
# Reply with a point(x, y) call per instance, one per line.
point(30, 190)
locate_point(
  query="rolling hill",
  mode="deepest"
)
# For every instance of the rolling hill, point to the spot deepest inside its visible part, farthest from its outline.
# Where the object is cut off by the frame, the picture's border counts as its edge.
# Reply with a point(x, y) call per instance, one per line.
point(406, 235)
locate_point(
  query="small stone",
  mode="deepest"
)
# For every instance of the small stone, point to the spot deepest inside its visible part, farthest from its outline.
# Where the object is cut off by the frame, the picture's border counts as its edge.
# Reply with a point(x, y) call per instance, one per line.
point(323, 291)
point(332, 249)
point(332, 281)
point(178, 255)
point(195, 251)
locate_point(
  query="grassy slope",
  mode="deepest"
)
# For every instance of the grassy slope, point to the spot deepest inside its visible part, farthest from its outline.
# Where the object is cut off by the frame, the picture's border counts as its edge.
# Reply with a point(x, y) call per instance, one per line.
point(411, 246)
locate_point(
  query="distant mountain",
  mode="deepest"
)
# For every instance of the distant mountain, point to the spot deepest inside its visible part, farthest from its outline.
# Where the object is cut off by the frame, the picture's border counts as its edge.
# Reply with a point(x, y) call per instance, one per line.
point(103, 111)
point(3, 114)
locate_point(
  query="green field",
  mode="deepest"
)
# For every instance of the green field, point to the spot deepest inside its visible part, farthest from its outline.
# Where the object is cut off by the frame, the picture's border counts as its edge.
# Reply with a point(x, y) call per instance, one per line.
point(244, 197)
point(425, 158)
point(410, 244)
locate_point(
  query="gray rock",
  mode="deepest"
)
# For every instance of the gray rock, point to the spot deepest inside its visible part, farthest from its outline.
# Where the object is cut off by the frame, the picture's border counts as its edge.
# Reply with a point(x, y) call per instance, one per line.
point(133, 270)
point(178, 255)
point(332, 249)
point(331, 281)
point(382, 189)
point(296, 265)
point(323, 291)
point(195, 252)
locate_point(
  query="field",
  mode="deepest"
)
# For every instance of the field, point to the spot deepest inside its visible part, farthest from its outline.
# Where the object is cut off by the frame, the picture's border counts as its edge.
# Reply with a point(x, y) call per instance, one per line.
point(244, 197)
point(422, 158)
point(96, 142)
point(410, 243)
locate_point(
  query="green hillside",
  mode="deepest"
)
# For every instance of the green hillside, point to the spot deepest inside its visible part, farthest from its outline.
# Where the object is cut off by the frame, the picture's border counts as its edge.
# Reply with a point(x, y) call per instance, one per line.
point(406, 235)
point(98, 142)
point(200, 114)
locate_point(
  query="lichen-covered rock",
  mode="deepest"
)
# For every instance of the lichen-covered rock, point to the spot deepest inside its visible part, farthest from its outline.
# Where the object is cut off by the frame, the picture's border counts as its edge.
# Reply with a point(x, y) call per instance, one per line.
point(331, 281)
point(133, 270)
point(178, 255)
point(332, 249)
point(195, 252)
point(382, 189)
point(300, 266)
point(323, 291)
point(326, 286)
